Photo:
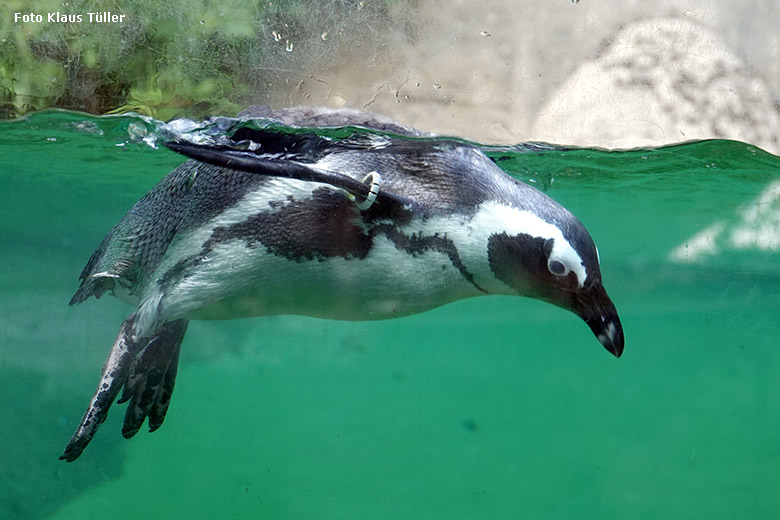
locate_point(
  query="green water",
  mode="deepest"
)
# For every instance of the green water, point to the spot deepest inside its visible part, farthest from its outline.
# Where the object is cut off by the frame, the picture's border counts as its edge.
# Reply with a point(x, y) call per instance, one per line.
point(495, 408)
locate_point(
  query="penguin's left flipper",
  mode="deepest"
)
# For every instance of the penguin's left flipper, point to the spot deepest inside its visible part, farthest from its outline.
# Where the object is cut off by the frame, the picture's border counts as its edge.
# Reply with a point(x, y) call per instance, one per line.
point(366, 190)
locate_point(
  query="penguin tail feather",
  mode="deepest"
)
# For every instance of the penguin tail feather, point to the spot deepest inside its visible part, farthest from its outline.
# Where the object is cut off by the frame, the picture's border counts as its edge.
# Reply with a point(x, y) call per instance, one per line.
point(91, 287)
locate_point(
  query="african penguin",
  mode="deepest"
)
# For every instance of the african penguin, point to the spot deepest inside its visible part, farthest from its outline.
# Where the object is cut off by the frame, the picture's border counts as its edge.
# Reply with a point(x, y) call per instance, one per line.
point(361, 228)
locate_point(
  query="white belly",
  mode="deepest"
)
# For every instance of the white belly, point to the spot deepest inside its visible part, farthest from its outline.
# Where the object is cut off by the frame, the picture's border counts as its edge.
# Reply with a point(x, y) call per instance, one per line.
point(238, 281)
point(237, 278)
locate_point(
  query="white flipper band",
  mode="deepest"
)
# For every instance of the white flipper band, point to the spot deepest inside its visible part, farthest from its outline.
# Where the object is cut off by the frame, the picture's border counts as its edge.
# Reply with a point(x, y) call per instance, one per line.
point(374, 178)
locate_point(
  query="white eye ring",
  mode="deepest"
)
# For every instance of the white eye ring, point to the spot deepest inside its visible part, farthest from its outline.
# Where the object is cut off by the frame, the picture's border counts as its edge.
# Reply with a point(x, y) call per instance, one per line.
point(557, 267)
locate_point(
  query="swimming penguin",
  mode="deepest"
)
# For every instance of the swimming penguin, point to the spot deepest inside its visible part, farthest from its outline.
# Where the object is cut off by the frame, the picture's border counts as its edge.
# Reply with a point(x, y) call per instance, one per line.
point(361, 228)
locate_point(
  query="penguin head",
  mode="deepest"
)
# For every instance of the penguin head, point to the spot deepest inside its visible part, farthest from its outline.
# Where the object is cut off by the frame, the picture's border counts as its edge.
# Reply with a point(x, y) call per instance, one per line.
point(557, 263)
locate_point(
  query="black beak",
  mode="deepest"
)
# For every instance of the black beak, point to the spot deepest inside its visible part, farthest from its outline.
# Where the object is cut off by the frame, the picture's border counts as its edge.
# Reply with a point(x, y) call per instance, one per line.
point(594, 306)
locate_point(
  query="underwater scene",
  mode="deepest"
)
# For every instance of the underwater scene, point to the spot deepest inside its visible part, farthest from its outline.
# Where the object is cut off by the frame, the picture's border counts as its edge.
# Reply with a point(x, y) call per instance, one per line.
point(490, 407)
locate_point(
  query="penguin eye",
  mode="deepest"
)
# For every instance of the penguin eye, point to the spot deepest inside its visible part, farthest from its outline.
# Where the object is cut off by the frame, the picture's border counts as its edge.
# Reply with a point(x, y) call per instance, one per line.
point(557, 268)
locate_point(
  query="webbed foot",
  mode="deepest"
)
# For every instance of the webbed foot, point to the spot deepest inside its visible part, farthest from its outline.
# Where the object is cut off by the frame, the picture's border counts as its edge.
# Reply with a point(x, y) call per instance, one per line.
point(149, 385)
point(146, 367)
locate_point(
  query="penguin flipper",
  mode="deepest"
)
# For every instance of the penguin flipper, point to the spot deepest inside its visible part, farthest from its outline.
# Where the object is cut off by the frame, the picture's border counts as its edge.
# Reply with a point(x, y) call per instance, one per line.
point(248, 161)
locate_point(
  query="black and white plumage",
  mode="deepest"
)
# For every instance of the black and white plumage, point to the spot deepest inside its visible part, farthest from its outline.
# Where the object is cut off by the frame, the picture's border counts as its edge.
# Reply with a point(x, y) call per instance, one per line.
point(367, 227)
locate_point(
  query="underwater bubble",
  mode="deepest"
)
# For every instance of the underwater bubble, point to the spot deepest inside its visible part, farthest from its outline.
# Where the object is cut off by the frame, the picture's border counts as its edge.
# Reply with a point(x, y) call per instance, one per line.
point(137, 131)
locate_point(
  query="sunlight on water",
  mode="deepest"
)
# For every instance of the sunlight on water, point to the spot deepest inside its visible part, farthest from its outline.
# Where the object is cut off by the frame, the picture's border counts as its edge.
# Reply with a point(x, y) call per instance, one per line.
point(495, 407)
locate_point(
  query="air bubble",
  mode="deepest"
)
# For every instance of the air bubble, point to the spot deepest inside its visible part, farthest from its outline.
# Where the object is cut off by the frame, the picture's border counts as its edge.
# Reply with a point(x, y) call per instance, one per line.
point(137, 131)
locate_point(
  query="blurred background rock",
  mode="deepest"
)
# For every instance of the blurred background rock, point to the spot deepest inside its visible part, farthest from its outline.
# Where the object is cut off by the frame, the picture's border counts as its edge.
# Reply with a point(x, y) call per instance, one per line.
point(591, 73)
